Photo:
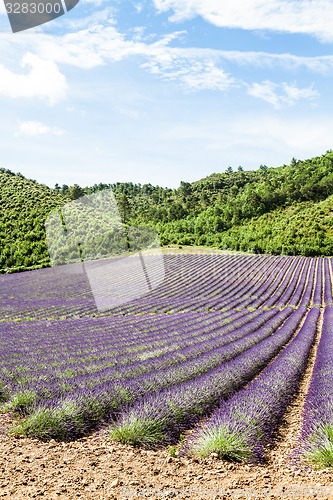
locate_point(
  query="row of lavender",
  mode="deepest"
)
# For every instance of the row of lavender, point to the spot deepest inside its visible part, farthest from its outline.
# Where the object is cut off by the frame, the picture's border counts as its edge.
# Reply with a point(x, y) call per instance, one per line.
point(276, 281)
point(152, 415)
point(192, 283)
point(316, 441)
point(109, 388)
point(242, 426)
point(238, 288)
point(94, 332)
point(65, 291)
point(68, 376)
point(70, 366)
point(159, 418)
point(72, 349)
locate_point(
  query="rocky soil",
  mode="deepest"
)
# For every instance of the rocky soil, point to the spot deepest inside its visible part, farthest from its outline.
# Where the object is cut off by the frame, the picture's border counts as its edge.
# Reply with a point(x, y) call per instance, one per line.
point(96, 468)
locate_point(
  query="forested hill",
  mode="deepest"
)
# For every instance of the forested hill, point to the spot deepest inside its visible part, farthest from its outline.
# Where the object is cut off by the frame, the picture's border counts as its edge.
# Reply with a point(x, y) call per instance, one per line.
point(24, 206)
point(270, 210)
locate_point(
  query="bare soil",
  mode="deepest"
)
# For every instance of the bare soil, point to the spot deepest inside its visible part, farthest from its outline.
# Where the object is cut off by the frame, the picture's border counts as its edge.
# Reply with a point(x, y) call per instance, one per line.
point(97, 468)
point(186, 249)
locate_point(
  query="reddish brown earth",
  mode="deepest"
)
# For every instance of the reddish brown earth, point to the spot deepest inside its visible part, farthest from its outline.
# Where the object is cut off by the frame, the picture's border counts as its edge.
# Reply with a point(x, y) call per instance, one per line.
point(96, 468)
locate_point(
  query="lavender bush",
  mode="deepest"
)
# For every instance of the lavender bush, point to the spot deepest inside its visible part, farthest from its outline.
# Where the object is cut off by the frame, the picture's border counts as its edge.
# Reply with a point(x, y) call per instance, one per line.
point(159, 418)
point(111, 396)
point(316, 441)
point(243, 425)
point(66, 367)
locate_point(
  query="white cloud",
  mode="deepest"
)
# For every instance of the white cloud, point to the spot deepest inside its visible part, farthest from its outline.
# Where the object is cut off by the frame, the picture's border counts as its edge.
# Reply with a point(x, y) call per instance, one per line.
point(97, 3)
point(33, 128)
point(99, 16)
point(138, 7)
point(192, 75)
point(44, 80)
point(313, 17)
point(317, 64)
point(193, 69)
point(98, 45)
point(279, 95)
point(293, 93)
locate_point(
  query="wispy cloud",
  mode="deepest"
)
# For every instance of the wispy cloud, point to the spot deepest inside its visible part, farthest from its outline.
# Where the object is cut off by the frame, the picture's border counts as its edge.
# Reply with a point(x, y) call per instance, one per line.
point(103, 43)
point(193, 69)
point(138, 7)
point(101, 15)
point(34, 128)
point(100, 44)
point(279, 95)
point(192, 75)
point(312, 17)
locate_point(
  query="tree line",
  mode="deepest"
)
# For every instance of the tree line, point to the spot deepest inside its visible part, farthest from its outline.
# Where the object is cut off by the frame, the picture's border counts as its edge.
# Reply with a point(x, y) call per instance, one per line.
point(269, 210)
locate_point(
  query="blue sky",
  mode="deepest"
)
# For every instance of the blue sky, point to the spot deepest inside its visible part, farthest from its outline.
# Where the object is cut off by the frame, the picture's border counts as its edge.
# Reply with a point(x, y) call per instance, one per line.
point(161, 91)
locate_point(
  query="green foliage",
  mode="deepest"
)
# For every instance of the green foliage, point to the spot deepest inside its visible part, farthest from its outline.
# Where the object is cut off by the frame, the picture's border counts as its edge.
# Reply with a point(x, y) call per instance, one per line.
point(270, 210)
point(124, 208)
point(228, 445)
point(320, 452)
point(75, 192)
point(25, 205)
point(174, 450)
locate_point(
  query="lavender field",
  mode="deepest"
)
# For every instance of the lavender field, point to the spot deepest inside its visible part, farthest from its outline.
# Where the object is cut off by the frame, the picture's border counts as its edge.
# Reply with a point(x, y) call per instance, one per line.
point(222, 333)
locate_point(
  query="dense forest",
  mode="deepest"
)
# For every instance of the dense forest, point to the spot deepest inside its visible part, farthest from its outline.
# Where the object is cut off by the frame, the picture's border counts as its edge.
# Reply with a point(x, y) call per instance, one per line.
point(25, 205)
point(270, 210)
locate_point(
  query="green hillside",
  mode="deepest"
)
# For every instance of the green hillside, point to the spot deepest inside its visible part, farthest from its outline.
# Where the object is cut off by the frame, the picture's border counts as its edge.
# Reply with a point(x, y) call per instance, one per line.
point(300, 229)
point(25, 205)
point(270, 210)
